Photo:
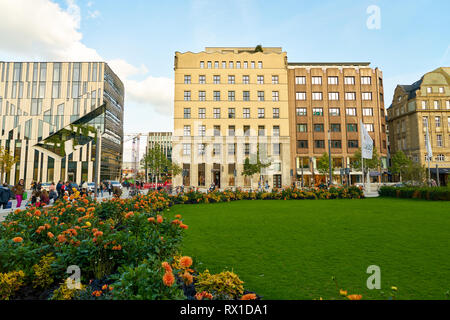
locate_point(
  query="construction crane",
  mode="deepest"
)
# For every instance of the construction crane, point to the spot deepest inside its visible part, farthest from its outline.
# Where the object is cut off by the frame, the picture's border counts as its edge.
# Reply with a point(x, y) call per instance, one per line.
point(136, 142)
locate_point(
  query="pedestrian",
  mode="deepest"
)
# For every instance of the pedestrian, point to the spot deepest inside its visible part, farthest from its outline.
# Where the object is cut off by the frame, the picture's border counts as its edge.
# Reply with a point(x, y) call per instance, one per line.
point(19, 189)
point(44, 197)
point(58, 189)
point(52, 192)
point(39, 186)
point(109, 187)
point(5, 195)
point(267, 186)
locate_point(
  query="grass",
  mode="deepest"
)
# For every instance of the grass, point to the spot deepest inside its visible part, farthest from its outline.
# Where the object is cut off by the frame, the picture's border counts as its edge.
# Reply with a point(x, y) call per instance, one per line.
point(291, 249)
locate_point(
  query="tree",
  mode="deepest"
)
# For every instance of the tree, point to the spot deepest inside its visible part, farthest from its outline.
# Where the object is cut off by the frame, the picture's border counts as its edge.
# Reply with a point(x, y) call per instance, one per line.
point(258, 48)
point(400, 163)
point(7, 161)
point(156, 163)
point(373, 163)
point(323, 164)
point(415, 173)
point(250, 169)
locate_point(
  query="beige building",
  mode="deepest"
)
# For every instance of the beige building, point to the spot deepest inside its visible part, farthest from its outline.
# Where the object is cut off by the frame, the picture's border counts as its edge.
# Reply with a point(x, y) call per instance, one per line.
point(229, 101)
point(51, 113)
point(425, 102)
point(334, 97)
point(164, 139)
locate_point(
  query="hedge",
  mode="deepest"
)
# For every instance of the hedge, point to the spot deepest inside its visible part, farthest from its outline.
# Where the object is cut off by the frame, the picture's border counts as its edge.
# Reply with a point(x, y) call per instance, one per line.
point(425, 193)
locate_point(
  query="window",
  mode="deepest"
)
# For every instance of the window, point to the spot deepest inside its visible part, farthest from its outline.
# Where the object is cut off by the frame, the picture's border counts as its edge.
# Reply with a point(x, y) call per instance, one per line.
point(231, 113)
point(333, 95)
point(187, 113)
point(350, 96)
point(231, 149)
point(260, 79)
point(187, 96)
point(436, 104)
point(238, 65)
point(352, 127)
point(231, 79)
point(275, 96)
point(352, 143)
point(231, 131)
point(300, 111)
point(246, 95)
point(201, 130)
point(300, 96)
point(439, 140)
point(336, 144)
point(216, 95)
point(437, 121)
point(247, 148)
point(274, 79)
point(276, 131)
point(332, 80)
point(231, 65)
point(187, 131)
point(300, 80)
point(252, 65)
point(202, 113)
point(316, 80)
point(231, 96)
point(447, 104)
point(302, 127)
point(245, 79)
point(440, 157)
point(350, 111)
point(317, 112)
point(369, 127)
point(367, 112)
point(260, 112)
point(319, 143)
point(224, 64)
point(367, 96)
point(261, 131)
point(276, 149)
point(209, 64)
point(247, 131)
point(335, 112)
point(201, 149)
point(302, 144)
point(259, 64)
point(186, 149)
point(318, 127)
point(349, 80)
point(202, 96)
point(260, 95)
point(276, 113)
point(317, 95)
point(202, 79)
point(216, 113)
point(216, 64)
point(335, 127)
point(366, 80)
point(216, 79)
point(246, 113)
point(441, 90)
point(216, 149)
point(429, 90)
point(216, 130)
point(202, 64)
point(187, 79)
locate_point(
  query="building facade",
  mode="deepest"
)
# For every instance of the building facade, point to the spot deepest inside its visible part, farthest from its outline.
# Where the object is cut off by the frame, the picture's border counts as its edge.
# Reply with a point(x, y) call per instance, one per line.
point(53, 113)
point(164, 139)
point(327, 103)
point(425, 103)
point(230, 103)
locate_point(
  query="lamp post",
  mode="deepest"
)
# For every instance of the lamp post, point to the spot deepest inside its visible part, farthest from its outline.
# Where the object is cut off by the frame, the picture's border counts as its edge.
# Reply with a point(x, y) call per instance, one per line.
point(329, 158)
point(97, 164)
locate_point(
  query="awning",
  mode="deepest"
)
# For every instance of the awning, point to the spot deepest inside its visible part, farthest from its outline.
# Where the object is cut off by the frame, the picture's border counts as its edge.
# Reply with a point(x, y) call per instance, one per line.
point(441, 170)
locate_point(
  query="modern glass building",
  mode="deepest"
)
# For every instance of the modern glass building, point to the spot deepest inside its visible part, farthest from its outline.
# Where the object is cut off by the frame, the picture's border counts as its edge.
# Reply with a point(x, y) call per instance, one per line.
point(51, 116)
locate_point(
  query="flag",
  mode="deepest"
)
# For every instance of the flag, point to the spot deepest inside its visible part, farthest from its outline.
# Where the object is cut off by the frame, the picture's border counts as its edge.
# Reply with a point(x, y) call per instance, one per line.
point(366, 143)
point(428, 144)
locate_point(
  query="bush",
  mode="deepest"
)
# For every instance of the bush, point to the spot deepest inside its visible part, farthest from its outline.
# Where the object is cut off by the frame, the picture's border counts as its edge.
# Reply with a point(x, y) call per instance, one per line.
point(225, 285)
point(424, 193)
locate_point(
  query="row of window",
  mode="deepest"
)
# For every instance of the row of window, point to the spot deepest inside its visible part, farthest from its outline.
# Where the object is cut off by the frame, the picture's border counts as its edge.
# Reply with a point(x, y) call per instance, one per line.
point(320, 144)
point(231, 149)
point(436, 105)
point(440, 90)
point(437, 123)
point(230, 64)
point(333, 80)
point(231, 113)
point(301, 96)
point(231, 96)
point(231, 131)
point(333, 111)
point(231, 79)
point(334, 127)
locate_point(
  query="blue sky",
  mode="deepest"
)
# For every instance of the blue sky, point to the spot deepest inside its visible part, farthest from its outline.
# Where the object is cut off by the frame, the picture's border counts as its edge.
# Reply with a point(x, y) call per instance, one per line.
point(139, 38)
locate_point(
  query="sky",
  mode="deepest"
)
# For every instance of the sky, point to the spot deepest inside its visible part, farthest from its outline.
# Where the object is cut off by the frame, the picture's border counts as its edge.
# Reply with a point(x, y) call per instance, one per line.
point(138, 39)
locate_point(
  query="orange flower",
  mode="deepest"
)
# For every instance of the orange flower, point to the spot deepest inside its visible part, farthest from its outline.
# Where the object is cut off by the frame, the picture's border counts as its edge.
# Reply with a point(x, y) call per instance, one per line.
point(166, 266)
point(159, 219)
point(61, 238)
point(105, 287)
point(176, 221)
point(249, 296)
point(17, 239)
point(203, 295)
point(354, 297)
point(178, 216)
point(81, 209)
point(185, 261)
point(98, 234)
point(50, 235)
point(97, 293)
point(183, 226)
point(168, 279)
point(129, 214)
point(151, 219)
point(188, 278)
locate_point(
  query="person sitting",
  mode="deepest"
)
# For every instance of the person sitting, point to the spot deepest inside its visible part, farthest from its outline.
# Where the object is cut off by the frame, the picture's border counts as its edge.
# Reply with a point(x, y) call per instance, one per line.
point(44, 198)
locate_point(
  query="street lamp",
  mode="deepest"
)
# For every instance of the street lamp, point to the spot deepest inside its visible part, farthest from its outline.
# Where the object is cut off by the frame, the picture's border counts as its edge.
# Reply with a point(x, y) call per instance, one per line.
point(329, 157)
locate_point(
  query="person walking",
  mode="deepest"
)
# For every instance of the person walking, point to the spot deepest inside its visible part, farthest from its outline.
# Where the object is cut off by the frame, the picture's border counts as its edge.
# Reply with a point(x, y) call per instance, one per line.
point(52, 192)
point(19, 189)
point(109, 187)
point(58, 189)
point(5, 195)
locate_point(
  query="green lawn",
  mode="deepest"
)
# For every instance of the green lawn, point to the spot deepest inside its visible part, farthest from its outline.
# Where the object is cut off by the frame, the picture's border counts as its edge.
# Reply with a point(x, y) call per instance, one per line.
point(291, 249)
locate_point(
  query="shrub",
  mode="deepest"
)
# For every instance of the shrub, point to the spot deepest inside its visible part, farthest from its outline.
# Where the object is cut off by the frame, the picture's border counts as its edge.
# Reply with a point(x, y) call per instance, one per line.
point(425, 193)
point(223, 286)
point(43, 272)
point(10, 282)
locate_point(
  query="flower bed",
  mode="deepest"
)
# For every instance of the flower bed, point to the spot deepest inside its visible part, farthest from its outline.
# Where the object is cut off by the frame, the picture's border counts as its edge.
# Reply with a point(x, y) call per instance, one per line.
point(122, 248)
point(425, 193)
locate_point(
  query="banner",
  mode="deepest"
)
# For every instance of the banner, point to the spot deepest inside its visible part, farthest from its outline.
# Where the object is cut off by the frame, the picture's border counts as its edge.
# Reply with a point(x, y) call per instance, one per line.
point(366, 143)
point(428, 144)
